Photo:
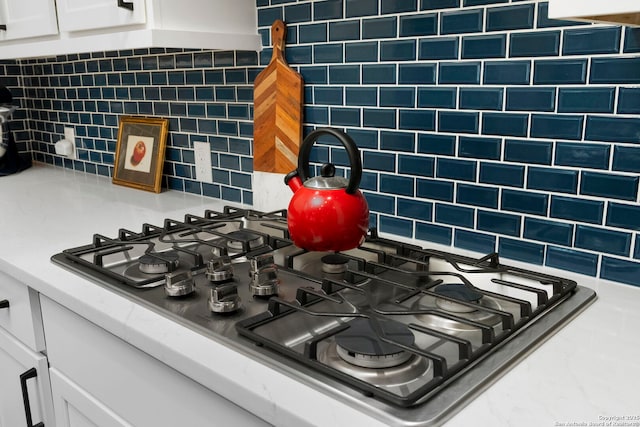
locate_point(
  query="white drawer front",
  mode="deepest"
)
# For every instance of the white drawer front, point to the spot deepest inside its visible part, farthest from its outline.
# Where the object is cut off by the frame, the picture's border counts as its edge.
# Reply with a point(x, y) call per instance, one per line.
point(22, 317)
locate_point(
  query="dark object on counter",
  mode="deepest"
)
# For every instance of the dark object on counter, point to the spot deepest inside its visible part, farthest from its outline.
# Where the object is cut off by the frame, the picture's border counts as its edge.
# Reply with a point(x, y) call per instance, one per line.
point(10, 160)
point(327, 212)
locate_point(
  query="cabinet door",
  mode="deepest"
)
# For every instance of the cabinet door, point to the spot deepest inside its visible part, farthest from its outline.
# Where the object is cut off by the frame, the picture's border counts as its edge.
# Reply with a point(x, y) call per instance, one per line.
point(27, 18)
point(16, 359)
point(74, 407)
point(79, 15)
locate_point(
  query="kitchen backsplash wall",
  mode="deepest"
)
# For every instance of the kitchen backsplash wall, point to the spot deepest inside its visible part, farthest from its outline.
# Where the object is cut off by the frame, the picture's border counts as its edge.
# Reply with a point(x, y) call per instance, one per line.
point(483, 124)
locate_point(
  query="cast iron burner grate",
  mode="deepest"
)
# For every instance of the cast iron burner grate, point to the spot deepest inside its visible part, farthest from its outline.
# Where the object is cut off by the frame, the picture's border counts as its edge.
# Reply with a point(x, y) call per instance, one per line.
point(489, 303)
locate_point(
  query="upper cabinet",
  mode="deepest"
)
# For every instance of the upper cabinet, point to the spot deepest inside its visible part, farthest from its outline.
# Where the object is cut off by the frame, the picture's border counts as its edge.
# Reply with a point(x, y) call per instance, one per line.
point(27, 18)
point(626, 12)
point(77, 26)
point(78, 15)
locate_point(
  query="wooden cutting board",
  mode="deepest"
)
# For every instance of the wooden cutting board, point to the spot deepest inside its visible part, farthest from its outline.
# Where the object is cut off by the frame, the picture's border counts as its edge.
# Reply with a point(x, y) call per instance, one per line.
point(277, 115)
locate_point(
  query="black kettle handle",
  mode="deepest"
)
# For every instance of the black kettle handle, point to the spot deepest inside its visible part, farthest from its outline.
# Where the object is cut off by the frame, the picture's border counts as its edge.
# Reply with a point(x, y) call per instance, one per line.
point(349, 145)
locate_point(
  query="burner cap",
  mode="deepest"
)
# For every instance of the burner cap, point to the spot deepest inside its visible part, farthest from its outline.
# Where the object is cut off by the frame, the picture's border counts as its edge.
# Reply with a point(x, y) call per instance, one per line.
point(361, 346)
point(159, 263)
point(458, 291)
point(334, 263)
point(236, 239)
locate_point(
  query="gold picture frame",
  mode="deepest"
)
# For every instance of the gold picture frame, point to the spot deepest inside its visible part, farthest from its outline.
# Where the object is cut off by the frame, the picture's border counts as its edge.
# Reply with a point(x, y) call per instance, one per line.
point(140, 152)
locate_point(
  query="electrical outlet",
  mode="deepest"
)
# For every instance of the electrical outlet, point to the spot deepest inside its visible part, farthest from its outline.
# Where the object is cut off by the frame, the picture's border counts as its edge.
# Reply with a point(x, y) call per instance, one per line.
point(70, 135)
point(203, 161)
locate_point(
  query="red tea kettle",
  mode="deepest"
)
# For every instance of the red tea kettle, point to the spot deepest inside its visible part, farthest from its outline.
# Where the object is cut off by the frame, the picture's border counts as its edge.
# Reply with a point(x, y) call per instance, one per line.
point(327, 212)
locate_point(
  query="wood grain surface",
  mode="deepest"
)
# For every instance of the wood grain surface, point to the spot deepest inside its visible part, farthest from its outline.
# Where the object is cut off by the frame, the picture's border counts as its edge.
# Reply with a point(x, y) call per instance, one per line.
point(277, 122)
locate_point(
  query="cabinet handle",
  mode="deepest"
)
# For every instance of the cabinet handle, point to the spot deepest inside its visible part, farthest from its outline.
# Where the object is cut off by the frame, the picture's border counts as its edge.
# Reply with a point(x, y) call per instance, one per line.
point(3, 27)
point(4, 303)
point(31, 373)
point(125, 4)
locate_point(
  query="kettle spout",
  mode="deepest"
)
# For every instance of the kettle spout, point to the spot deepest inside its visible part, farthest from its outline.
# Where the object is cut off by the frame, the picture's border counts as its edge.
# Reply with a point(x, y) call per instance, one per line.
point(292, 179)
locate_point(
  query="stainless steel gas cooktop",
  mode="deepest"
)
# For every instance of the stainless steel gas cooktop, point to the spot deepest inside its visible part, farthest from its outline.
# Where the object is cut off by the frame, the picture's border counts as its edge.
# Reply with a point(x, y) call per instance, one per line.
point(405, 333)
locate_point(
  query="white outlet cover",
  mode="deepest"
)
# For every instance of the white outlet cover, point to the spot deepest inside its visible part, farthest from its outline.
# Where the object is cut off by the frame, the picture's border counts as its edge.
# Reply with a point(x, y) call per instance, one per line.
point(70, 135)
point(202, 151)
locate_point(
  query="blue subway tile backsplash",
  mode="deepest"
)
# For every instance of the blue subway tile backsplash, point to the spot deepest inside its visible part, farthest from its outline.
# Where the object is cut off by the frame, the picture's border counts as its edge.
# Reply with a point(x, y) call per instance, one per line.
point(483, 124)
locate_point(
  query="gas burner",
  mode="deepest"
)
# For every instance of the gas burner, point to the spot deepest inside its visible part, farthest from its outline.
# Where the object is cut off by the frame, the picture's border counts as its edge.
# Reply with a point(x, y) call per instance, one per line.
point(219, 270)
point(334, 263)
point(434, 321)
point(179, 284)
point(460, 292)
point(159, 263)
point(361, 346)
point(236, 241)
point(224, 299)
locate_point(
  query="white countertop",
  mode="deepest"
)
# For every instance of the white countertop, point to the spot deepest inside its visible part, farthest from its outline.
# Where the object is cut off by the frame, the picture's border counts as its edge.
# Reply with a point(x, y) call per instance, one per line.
point(586, 372)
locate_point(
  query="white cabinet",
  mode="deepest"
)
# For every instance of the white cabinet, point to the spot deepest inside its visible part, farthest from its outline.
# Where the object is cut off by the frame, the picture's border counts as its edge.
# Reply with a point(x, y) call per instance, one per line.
point(99, 379)
point(77, 15)
point(103, 25)
point(625, 12)
point(75, 407)
point(27, 18)
point(20, 366)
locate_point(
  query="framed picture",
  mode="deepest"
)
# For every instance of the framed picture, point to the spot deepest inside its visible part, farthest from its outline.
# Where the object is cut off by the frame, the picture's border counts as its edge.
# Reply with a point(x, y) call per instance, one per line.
point(140, 152)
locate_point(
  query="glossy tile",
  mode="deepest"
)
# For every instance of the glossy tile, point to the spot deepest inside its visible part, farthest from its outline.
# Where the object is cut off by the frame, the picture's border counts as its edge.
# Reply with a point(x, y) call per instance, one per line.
point(379, 161)
point(501, 174)
point(423, 120)
point(433, 233)
point(399, 185)
point(438, 48)
point(415, 209)
point(485, 46)
point(531, 99)
point(615, 70)
point(620, 270)
point(466, 21)
point(540, 43)
point(507, 72)
point(575, 209)
point(436, 189)
point(555, 126)
point(436, 144)
point(454, 215)
point(626, 159)
point(614, 129)
point(559, 233)
point(450, 121)
point(519, 250)
point(398, 50)
point(459, 73)
point(437, 97)
point(595, 156)
point(418, 25)
point(609, 185)
point(585, 41)
point(517, 17)
point(505, 124)
point(498, 222)
point(481, 98)
point(474, 241)
point(623, 216)
point(479, 148)
point(397, 226)
point(528, 151)
point(583, 100)
point(411, 165)
point(397, 141)
point(361, 52)
point(560, 71)
point(560, 180)
point(602, 240)
point(476, 195)
point(417, 74)
point(572, 260)
point(629, 100)
point(355, 8)
point(378, 28)
point(524, 202)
